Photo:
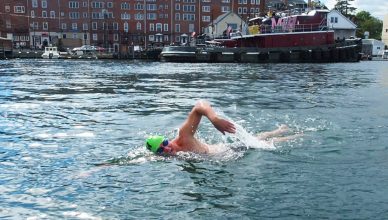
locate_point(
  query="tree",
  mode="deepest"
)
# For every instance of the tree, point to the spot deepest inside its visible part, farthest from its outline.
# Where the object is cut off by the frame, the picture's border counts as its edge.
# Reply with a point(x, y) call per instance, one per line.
point(344, 7)
point(366, 22)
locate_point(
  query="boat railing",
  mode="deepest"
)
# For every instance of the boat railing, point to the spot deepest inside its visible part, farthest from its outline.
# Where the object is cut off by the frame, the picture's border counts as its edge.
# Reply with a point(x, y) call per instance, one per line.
point(265, 29)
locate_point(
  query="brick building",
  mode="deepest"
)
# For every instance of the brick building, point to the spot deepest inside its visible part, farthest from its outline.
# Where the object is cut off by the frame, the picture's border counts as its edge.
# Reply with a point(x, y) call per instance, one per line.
point(113, 24)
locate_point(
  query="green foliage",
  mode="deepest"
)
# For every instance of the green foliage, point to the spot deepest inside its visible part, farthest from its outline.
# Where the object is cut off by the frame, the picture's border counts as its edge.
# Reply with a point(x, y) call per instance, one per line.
point(366, 22)
point(344, 7)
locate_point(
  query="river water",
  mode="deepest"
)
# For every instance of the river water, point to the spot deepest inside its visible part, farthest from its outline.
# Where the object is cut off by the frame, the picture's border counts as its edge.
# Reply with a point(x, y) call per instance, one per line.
point(72, 136)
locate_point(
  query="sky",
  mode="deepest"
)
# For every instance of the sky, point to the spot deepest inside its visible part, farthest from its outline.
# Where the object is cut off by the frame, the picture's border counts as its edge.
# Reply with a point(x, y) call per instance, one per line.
point(377, 8)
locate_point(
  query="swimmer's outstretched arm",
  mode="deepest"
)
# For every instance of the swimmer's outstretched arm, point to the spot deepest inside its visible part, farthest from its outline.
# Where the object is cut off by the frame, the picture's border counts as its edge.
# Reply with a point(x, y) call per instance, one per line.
point(203, 108)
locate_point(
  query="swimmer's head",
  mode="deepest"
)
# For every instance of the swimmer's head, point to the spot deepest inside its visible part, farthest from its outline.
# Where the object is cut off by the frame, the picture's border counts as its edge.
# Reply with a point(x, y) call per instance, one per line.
point(156, 144)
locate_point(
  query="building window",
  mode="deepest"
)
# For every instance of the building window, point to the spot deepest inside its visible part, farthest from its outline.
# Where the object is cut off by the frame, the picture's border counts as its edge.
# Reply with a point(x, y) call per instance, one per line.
point(34, 3)
point(85, 26)
point(84, 4)
point(32, 14)
point(75, 35)
point(177, 16)
point(189, 17)
point(44, 14)
point(151, 16)
point(74, 26)
point(177, 7)
point(138, 26)
point(225, 9)
point(152, 27)
point(125, 6)
point(97, 4)
point(191, 27)
point(126, 27)
point(19, 9)
point(115, 37)
point(74, 15)
point(189, 8)
point(139, 16)
point(125, 16)
point(139, 6)
point(85, 15)
point(205, 8)
point(44, 4)
point(177, 28)
point(165, 27)
point(7, 8)
point(109, 4)
point(151, 38)
point(115, 26)
point(151, 7)
point(73, 4)
point(159, 27)
point(94, 36)
point(206, 18)
point(94, 25)
point(64, 26)
point(45, 25)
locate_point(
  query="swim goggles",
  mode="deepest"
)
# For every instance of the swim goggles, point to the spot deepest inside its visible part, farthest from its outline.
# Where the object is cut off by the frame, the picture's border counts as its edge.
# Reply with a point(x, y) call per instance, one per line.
point(162, 146)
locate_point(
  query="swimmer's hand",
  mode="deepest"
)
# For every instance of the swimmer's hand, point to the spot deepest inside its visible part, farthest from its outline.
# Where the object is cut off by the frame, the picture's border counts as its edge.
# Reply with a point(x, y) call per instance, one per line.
point(223, 125)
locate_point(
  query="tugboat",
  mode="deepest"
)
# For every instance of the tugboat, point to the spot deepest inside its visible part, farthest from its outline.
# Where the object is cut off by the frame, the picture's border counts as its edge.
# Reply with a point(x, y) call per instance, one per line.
point(279, 38)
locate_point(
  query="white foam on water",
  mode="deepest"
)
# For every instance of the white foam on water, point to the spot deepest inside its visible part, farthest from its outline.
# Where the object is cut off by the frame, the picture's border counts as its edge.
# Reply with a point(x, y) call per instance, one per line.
point(242, 136)
point(251, 141)
point(79, 215)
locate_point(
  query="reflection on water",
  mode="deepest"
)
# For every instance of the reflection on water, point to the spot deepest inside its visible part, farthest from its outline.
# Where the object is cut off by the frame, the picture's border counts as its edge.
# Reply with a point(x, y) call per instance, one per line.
point(72, 135)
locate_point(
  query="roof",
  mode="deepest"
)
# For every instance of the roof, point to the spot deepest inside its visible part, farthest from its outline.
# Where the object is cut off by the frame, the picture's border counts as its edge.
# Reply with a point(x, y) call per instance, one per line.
point(223, 16)
point(343, 16)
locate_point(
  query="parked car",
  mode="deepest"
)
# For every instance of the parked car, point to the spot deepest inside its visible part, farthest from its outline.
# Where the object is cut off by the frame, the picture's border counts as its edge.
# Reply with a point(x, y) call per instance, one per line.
point(88, 48)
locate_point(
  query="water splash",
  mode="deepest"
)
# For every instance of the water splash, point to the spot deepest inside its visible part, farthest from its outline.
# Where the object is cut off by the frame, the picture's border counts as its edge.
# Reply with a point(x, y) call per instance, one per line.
point(245, 138)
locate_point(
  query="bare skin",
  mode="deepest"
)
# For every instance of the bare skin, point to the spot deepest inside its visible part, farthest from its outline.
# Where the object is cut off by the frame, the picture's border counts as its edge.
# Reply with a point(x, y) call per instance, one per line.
point(273, 136)
point(186, 141)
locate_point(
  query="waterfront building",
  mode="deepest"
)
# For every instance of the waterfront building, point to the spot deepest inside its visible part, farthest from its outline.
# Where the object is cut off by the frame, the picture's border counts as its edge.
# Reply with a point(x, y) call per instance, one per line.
point(116, 25)
point(384, 33)
point(223, 26)
point(373, 47)
point(342, 26)
point(120, 25)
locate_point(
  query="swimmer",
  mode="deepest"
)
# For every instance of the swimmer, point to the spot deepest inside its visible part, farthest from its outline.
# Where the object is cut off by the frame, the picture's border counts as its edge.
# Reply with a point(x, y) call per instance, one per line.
point(185, 141)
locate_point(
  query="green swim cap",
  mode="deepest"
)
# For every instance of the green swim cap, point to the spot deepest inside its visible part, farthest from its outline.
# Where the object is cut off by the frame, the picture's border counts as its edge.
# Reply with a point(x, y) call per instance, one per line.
point(153, 142)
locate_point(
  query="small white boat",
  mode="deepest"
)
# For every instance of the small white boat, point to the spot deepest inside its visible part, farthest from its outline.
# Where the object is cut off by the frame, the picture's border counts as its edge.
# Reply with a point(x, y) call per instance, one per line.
point(50, 53)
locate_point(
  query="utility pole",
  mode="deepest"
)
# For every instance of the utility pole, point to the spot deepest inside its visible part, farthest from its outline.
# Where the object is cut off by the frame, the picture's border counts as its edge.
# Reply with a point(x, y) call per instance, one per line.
point(145, 24)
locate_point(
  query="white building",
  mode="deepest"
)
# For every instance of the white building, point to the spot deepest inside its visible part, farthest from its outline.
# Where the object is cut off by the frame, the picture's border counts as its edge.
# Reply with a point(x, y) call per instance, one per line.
point(219, 26)
point(342, 26)
point(373, 47)
point(384, 33)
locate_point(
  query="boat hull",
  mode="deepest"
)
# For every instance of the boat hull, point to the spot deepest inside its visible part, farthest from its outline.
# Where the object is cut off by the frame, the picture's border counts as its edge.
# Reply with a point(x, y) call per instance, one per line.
point(312, 54)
